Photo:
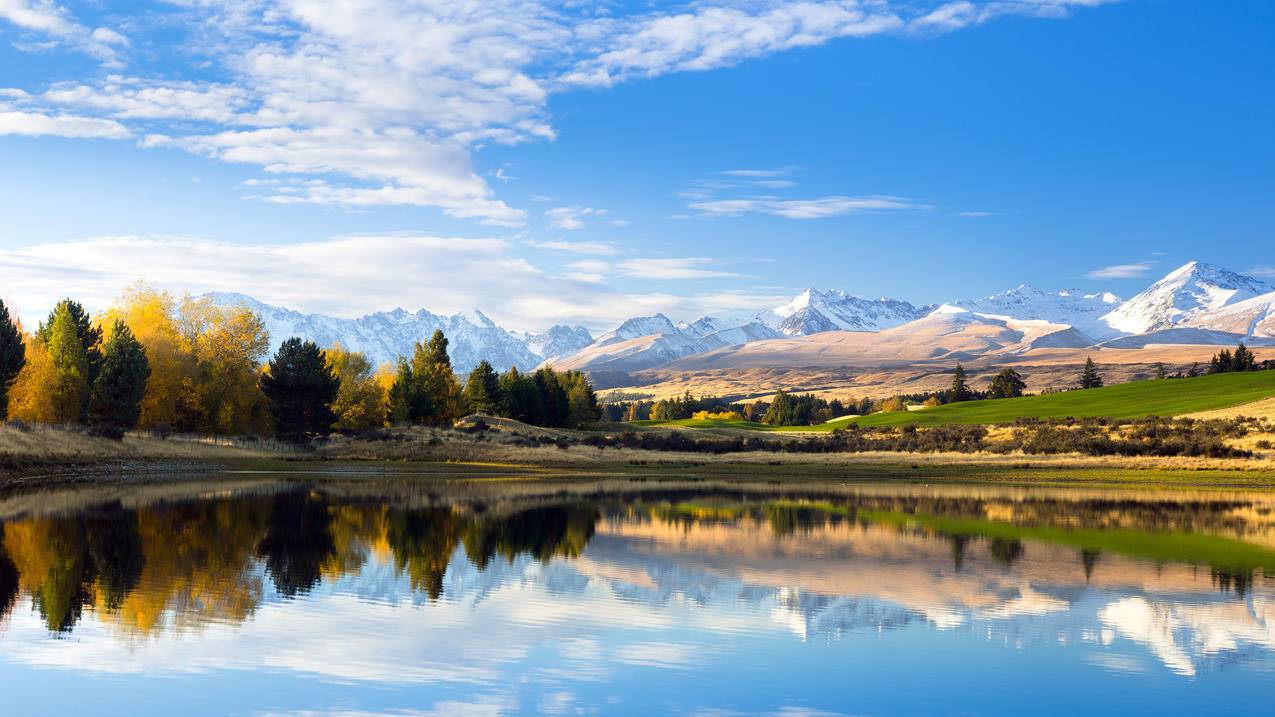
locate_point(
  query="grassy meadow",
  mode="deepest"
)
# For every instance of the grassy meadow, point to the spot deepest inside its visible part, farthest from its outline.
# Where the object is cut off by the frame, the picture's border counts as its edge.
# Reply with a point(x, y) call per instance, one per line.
point(1164, 397)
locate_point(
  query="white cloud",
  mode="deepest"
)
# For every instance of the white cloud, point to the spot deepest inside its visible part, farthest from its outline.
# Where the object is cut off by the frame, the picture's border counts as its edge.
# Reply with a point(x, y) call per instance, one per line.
point(1264, 271)
point(51, 20)
point(571, 218)
point(686, 268)
point(710, 36)
point(1121, 271)
point(595, 248)
point(819, 208)
point(39, 15)
point(397, 96)
point(35, 124)
point(353, 275)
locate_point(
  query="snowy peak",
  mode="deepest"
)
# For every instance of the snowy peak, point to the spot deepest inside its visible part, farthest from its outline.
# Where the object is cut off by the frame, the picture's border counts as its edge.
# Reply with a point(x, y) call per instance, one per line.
point(814, 311)
point(384, 336)
point(637, 327)
point(1074, 308)
point(559, 340)
point(1193, 289)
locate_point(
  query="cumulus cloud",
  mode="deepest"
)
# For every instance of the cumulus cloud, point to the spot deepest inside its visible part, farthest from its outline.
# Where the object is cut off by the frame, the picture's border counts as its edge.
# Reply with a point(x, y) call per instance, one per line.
point(384, 102)
point(36, 124)
point(1122, 271)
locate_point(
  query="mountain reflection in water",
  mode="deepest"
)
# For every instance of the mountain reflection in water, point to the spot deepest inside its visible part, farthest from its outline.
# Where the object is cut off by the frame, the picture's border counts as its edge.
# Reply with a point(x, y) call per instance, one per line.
point(545, 599)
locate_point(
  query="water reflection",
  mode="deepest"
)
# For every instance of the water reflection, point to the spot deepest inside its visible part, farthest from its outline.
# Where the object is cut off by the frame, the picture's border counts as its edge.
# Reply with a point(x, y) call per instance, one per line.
point(443, 587)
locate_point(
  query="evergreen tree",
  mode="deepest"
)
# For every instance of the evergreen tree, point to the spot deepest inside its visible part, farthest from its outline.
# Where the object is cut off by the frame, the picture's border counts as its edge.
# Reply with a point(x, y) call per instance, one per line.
point(70, 366)
point(520, 398)
point(90, 336)
point(582, 402)
point(115, 403)
point(553, 398)
point(960, 390)
point(403, 396)
point(1089, 377)
point(1160, 372)
point(1222, 362)
point(438, 401)
point(1008, 384)
point(482, 390)
point(301, 388)
point(13, 356)
point(1243, 359)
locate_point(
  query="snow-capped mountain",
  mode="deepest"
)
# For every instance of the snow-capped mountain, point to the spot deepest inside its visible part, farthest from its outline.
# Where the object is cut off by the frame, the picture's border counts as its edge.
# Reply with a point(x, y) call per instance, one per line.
point(559, 340)
point(386, 335)
point(649, 341)
point(813, 311)
point(1077, 309)
point(1182, 296)
point(1251, 317)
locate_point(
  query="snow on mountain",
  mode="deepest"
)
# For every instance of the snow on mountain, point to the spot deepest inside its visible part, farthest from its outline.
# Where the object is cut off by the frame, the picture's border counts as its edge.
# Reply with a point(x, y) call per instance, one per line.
point(1079, 310)
point(559, 340)
point(705, 325)
point(1251, 317)
point(650, 341)
point(1182, 296)
point(386, 335)
point(638, 327)
point(813, 311)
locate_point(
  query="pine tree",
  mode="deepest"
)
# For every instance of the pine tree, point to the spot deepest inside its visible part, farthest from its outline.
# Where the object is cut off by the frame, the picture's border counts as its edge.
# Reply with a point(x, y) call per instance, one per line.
point(1089, 377)
point(1159, 371)
point(1243, 359)
point(582, 402)
point(90, 336)
point(70, 367)
point(437, 397)
point(960, 390)
point(13, 356)
point(115, 403)
point(400, 402)
point(520, 398)
point(553, 399)
point(1008, 384)
point(301, 388)
point(482, 390)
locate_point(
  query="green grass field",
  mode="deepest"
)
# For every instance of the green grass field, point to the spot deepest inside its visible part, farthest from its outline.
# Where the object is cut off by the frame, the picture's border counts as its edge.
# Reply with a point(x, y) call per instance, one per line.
point(1167, 397)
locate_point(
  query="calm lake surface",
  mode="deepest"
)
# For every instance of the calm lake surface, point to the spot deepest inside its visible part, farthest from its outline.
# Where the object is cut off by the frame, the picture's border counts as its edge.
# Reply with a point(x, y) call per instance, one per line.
point(278, 596)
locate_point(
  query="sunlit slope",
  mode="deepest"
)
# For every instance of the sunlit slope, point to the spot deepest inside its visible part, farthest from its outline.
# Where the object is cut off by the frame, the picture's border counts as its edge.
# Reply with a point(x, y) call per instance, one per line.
point(1164, 397)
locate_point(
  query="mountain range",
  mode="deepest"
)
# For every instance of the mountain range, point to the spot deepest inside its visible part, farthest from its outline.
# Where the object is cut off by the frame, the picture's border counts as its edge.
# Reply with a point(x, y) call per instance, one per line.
point(1197, 303)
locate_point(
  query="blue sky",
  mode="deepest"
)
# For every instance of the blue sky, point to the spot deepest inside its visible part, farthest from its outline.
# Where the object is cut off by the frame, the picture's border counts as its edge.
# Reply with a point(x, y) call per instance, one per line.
point(584, 162)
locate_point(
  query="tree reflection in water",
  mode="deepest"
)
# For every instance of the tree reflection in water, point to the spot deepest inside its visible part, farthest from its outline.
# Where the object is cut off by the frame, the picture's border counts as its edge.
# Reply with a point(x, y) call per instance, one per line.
point(181, 564)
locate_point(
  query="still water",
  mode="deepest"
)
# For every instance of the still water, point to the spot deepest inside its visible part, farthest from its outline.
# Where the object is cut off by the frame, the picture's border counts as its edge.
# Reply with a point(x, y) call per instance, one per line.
point(278, 596)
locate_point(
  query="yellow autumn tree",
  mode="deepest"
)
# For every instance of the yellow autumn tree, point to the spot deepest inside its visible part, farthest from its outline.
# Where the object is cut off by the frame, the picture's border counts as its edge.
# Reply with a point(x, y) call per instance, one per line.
point(227, 345)
point(360, 401)
point(31, 399)
point(151, 315)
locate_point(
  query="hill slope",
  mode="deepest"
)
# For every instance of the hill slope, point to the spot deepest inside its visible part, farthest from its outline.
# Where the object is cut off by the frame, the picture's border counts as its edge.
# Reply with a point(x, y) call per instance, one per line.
point(1167, 397)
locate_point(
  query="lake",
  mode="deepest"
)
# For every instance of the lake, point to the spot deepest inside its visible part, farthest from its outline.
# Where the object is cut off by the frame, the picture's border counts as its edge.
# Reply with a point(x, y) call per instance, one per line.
point(348, 595)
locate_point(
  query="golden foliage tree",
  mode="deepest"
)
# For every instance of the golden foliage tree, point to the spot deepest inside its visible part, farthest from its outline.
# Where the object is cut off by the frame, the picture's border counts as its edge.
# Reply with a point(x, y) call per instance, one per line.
point(30, 398)
point(360, 401)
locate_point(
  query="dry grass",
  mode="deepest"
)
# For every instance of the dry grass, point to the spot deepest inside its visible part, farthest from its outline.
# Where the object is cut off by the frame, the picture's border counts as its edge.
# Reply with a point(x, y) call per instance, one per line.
point(35, 443)
point(1264, 409)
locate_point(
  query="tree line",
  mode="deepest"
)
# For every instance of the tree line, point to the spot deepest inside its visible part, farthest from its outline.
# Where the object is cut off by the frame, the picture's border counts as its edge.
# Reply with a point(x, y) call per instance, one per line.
point(159, 363)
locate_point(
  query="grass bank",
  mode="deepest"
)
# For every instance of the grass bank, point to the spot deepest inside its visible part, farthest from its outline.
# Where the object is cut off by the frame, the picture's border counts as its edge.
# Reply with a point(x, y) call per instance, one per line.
point(1163, 397)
